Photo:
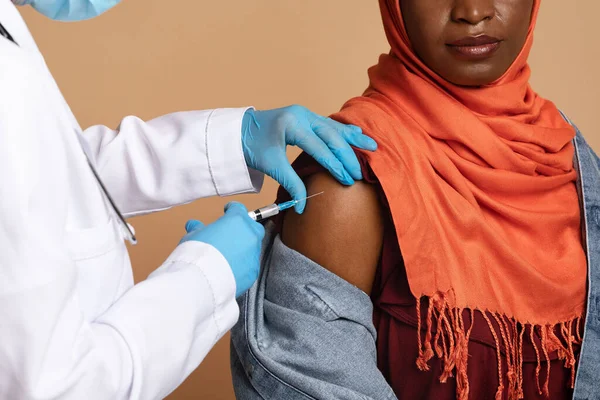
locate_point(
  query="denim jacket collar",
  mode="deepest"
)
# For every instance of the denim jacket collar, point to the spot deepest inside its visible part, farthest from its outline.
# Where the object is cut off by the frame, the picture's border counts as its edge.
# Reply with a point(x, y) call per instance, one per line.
point(588, 185)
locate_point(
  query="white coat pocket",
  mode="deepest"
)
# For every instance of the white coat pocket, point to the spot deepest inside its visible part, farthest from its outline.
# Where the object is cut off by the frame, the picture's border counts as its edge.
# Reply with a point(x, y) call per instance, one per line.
point(99, 255)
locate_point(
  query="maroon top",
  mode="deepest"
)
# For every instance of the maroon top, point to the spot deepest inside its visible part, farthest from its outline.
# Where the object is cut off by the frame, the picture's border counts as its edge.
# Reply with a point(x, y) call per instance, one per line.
point(395, 318)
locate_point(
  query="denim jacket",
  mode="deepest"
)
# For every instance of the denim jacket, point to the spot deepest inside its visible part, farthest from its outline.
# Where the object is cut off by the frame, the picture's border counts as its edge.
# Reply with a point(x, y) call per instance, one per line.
point(305, 333)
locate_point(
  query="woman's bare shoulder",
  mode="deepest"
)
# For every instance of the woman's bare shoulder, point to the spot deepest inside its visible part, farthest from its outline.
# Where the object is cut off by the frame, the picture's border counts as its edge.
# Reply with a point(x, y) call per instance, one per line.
point(341, 230)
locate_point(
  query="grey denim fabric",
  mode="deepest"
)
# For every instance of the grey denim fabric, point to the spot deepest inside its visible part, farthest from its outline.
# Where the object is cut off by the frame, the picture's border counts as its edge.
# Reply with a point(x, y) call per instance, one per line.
point(305, 333)
point(587, 386)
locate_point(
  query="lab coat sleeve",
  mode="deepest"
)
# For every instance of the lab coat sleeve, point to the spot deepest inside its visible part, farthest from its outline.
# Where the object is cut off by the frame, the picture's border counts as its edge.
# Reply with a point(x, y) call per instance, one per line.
point(173, 159)
point(142, 348)
point(146, 343)
point(170, 321)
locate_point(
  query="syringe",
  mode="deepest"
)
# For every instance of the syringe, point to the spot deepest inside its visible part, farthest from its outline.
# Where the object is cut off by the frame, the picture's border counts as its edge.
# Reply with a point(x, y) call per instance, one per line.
point(273, 209)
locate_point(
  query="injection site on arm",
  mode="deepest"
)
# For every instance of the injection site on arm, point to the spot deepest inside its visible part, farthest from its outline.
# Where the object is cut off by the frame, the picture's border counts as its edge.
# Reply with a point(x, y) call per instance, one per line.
point(342, 231)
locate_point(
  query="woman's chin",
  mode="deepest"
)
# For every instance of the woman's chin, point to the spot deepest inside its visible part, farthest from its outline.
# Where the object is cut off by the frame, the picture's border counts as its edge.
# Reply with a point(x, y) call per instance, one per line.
point(472, 74)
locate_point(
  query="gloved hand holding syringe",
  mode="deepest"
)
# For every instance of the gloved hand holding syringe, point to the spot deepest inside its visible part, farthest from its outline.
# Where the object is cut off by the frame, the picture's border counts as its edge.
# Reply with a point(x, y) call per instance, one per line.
point(249, 236)
point(273, 209)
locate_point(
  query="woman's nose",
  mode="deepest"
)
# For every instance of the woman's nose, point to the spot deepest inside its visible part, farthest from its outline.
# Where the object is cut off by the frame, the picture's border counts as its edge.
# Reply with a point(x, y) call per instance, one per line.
point(473, 11)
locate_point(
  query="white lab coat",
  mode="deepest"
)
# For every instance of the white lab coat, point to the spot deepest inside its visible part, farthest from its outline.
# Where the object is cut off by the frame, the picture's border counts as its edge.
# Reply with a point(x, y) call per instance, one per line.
point(72, 324)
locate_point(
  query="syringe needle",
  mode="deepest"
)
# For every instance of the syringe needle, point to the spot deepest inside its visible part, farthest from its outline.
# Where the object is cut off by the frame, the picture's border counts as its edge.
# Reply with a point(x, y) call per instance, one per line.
point(309, 197)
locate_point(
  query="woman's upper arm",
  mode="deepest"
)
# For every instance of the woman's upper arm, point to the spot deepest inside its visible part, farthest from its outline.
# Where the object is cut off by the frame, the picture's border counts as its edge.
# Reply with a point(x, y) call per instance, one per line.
point(341, 230)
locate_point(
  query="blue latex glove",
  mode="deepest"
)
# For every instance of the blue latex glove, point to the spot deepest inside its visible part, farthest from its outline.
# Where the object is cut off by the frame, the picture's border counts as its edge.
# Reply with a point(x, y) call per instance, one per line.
point(237, 237)
point(265, 135)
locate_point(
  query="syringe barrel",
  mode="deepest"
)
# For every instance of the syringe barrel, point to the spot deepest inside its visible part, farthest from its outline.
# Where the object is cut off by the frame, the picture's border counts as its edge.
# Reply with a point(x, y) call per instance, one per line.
point(264, 212)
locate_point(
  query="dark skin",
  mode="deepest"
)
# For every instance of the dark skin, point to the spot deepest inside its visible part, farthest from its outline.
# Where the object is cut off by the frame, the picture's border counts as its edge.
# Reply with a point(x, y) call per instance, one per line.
point(434, 24)
point(342, 230)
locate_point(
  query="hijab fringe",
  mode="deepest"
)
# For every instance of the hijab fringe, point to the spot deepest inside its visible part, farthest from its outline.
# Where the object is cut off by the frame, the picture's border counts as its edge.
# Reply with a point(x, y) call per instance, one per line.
point(445, 333)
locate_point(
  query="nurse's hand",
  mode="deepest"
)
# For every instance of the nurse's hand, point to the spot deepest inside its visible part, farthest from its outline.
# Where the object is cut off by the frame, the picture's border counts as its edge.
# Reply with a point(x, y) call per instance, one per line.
point(266, 134)
point(237, 237)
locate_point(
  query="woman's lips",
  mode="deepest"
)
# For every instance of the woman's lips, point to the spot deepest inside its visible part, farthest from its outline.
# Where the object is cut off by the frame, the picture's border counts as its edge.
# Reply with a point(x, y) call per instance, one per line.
point(475, 47)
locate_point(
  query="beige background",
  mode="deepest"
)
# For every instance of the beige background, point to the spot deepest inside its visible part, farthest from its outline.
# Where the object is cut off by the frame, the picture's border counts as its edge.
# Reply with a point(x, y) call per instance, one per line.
point(150, 57)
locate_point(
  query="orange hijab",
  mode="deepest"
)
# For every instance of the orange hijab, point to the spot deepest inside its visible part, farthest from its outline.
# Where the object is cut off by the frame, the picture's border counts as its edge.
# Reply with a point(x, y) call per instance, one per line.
point(480, 183)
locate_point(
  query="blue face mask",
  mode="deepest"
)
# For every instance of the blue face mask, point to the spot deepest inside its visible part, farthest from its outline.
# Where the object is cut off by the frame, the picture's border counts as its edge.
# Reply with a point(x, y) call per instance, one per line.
point(70, 10)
